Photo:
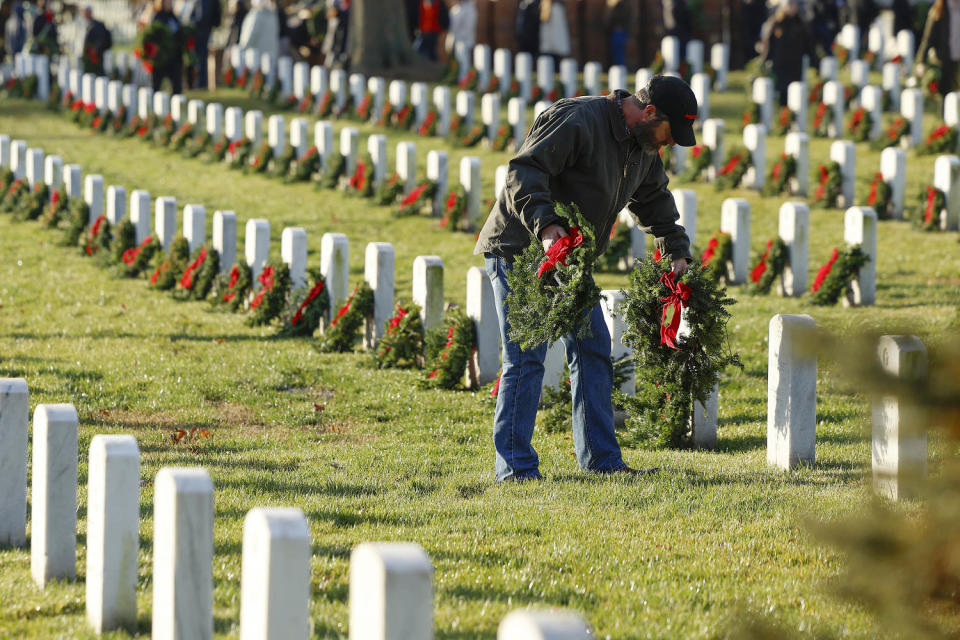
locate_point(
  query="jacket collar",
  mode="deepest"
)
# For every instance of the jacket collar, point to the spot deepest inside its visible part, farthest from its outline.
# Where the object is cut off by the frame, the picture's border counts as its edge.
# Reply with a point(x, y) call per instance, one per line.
point(618, 123)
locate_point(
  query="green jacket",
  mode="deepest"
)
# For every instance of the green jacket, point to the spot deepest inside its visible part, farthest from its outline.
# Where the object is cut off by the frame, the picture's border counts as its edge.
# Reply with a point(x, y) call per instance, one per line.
point(580, 151)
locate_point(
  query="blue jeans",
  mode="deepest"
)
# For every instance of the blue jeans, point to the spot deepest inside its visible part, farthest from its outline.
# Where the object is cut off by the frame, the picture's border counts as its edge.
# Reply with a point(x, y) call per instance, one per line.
point(591, 380)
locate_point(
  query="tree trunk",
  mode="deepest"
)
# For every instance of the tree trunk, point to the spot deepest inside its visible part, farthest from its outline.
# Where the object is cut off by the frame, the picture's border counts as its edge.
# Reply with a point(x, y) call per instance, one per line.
point(379, 42)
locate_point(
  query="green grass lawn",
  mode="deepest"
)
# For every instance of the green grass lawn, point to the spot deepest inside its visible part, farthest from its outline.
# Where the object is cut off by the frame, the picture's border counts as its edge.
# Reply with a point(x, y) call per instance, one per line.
point(680, 554)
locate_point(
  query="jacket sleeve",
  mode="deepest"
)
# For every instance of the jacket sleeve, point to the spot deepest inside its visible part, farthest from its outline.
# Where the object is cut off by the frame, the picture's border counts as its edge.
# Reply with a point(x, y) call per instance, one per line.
point(555, 143)
point(653, 206)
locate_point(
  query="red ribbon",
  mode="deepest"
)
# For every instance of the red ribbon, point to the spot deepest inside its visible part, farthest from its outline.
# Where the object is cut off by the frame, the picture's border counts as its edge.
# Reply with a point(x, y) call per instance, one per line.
point(824, 271)
point(710, 251)
point(730, 166)
point(358, 181)
point(413, 196)
point(931, 198)
point(757, 272)
point(187, 280)
point(938, 133)
point(314, 292)
point(397, 319)
point(266, 280)
point(679, 295)
point(872, 198)
point(560, 250)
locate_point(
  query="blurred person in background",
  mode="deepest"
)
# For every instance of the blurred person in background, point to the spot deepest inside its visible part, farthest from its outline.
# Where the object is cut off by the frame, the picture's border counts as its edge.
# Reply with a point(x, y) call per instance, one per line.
point(15, 30)
point(617, 21)
point(335, 41)
point(554, 34)
point(173, 68)
point(788, 40)
point(463, 24)
point(434, 20)
point(261, 30)
point(44, 38)
point(204, 16)
point(96, 41)
point(940, 44)
point(678, 22)
point(528, 27)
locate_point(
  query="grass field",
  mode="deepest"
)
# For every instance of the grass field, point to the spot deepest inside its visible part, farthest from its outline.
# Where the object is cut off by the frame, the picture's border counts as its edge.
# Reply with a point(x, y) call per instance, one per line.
point(681, 554)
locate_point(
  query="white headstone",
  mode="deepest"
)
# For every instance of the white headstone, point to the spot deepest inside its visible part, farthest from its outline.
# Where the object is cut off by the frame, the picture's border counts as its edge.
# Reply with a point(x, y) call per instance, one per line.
point(165, 225)
point(911, 108)
point(670, 50)
point(899, 443)
point(233, 124)
point(277, 134)
point(4, 150)
point(253, 127)
point(407, 165)
point(100, 92)
point(871, 99)
point(794, 230)
point(391, 592)
point(591, 78)
point(379, 273)
point(527, 624)
point(833, 97)
point(791, 391)
point(73, 179)
point(860, 228)
point(437, 171)
point(471, 181)
point(182, 555)
point(797, 146)
point(214, 120)
point(256, 245)
point(617, 78)
point(34, 172)
point(553, 363)
point(893, 167)
point(293, 252)
point(114, 95)
point(377, 148)
point(755, 140)
point(420, 101)
point(18, 159)
point(700, 83)
point(797, 103)
point(53, 501)
point(195, 109)
point(397, 93)
point(225, 238)
point(462, 53)
point(568, 77)
point(268, 68)
point(323, 140)
point(686, 201)
point(116, 204)
point(951, 109)
point(482, 309)
point(87, 82)
point(844, 152)
point(178, 108)
point(517, 117)
point(358, 87)
point(113, 525)
point(875, 41)
point(339, 87)
point(490, 113)
point(14, 415)
point(53, 172)
point(144, 102)
point(849, 38)
point(319, 80)
point(301, 80)
point(611, 303)
point(140, 213)
point(891, 84)
point(503, 68)
point(466, 101)
point(638, 240)
point(946, 177)
point(285, 75)
point(828, 68)
point(428, 289)
point(523, 69)
point(161, 104)
point(482, 64)
point(906, 45)
point(500, 179)
point(695, 56)
point(859, 73)
point(195, 225)
point(735, 220)
point(441, 100)
point(720, 61)
point(93, 195)
point(335, 267)
point(349, 143)
point(275, 576)
point(299, 136)
point(42, 71)
point(539, 108)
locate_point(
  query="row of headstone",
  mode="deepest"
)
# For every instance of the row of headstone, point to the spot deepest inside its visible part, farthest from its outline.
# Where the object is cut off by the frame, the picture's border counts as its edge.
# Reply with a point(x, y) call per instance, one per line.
point(391, 584)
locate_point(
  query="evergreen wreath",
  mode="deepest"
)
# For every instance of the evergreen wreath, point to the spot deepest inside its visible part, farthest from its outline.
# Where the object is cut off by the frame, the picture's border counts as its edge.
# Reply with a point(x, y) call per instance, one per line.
point(830, 185)
point(389, 190)
point(280, 165)
point(260, 160)
point(456, 129)
point(198, 278)
point(925, 215)
point(334, 167)
point(700, 158)
point(324, 106)
point(778, 180)
point(494, 85)
point(552, 292)
point(364, 109)
point(751, 115)
point(340, 335)
point(879, 196)
point(57, 209)
point(841, 53)
point(229, 76)
point(167, 274)
point(305, 104)
point(834, 278)
point(218, 150)
point(401, 345)
point(931, 79)
point(455, 208)
point(271, 297)
point(232, 289)
point(784, 121)
point(672, 372)
point(733, 170)
point(891, 137)
point(306, 166)
point(618, 248)
point(75, 222)
point(513, 91)
point(429, 125)
point(768, 266)
point(97, 238)
point(469, 81)
point(383, 120)
point(859, 124)
point(124, 239)
point(821, 123)
point(473, 137)
point(666, 158)
point(255, 88)
point(118, 121)
point(155, 46)
point(182, 136)
point(449, 348)
point(136, 260)
point(714, 259)
point(35, 201)
point(502, 139)
point(419, 197)
point(402, 118)
point(17, 191)
point(101, 121)
point(361, 181)
point(237, 153)
point(163, 133)
point(452, 72)
point(943, 139)
point(305, 308)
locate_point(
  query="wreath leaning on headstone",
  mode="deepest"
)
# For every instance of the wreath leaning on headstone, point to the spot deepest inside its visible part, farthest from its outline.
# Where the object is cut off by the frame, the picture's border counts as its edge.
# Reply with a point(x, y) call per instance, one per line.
point(418, 198)
point(714, 259)
point(781, 172)
point(448, 350)
point(943, 139)
point(700, 158)
point(733, 170)
point(305, 308)
point(768, 266)
point(552, 291)
point(821, 123)
point(198, 278)
point(830, 185)
point(271, 296)
point(879, 196)
point(340, 335)
point(784, 121)
point(401, 345)
point(672, 368)
point(834, 278)
point(891, 136)
point(926, 213)
point(859, 125)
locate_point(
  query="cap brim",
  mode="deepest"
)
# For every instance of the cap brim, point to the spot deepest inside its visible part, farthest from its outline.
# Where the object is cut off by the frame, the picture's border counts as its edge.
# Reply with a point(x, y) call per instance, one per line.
point(682, 132)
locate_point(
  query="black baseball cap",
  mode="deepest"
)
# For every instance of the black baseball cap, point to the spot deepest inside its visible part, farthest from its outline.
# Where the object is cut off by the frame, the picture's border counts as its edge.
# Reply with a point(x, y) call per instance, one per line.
point(674, 98)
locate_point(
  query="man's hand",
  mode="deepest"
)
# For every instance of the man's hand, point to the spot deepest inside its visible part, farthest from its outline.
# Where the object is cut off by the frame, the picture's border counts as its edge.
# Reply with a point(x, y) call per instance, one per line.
point(679, 266)
point(550, 234)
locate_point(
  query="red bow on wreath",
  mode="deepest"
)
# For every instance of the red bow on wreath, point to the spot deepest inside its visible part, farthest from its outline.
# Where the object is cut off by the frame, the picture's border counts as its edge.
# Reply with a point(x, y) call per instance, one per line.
point(679, 295)
point(560, 250)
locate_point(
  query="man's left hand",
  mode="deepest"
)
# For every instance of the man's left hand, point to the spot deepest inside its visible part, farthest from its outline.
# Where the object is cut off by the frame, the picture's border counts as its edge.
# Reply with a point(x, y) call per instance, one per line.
point(679, 266)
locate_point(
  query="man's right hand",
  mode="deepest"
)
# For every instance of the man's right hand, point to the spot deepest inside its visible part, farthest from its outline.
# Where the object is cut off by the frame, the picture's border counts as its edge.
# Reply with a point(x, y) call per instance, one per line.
point(550, 234)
